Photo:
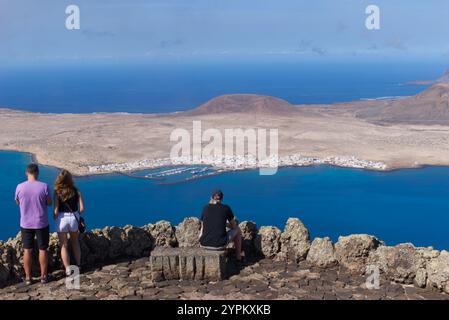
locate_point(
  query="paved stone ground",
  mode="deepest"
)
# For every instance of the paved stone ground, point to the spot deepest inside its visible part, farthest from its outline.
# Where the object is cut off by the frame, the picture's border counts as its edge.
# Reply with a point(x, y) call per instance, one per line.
point(265, 279)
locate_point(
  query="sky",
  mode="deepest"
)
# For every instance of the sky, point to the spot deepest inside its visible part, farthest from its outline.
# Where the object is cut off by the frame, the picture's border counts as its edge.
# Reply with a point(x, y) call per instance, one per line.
point(34, 31)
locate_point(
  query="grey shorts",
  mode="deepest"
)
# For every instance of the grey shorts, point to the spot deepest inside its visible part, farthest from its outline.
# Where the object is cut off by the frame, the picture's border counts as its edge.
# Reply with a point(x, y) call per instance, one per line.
point(230, 235)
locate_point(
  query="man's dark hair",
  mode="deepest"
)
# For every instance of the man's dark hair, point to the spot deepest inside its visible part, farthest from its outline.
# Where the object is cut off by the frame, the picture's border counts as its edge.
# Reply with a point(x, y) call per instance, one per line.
point(217, 194)
point(33, 169)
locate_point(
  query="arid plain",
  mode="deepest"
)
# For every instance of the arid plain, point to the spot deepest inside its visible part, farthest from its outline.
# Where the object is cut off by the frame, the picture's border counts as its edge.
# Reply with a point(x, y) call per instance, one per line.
point(360, 129)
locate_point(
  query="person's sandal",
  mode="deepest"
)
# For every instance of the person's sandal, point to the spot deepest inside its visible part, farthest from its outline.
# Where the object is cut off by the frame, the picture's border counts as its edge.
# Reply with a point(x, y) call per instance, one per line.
point(44, 280)
point(28, 282)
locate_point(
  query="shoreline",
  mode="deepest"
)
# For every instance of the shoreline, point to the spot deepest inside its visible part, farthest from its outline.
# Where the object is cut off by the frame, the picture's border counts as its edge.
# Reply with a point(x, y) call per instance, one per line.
point(129, 172)
point(104, 143)
point(317, 171)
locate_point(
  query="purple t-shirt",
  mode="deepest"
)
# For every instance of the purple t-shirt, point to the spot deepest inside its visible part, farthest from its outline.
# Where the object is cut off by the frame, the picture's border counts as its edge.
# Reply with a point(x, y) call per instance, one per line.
point(32, 197)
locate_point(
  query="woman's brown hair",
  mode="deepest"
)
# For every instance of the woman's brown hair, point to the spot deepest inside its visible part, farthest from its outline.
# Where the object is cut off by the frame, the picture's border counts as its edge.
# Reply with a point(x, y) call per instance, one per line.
point(64, 186)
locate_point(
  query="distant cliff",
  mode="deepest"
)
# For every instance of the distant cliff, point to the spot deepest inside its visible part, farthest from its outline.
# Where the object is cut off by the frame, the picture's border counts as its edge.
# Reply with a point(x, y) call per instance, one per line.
point(428, 107)
point(444, 78)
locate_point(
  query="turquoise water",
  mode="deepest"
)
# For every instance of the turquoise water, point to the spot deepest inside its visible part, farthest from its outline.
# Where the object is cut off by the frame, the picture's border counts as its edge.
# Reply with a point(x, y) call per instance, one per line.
point(398, 206)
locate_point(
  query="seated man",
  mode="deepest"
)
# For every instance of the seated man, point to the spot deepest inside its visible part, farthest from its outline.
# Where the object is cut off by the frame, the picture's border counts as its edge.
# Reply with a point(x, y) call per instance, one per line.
point(216, 217)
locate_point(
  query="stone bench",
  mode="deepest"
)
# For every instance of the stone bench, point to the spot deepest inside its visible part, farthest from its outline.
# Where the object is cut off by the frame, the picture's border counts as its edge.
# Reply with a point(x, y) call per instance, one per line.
point(187, 264)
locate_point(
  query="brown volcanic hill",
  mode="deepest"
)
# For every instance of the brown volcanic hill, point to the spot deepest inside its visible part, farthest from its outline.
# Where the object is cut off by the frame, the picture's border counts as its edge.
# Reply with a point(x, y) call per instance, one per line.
point(244, 103)
point(428, 107)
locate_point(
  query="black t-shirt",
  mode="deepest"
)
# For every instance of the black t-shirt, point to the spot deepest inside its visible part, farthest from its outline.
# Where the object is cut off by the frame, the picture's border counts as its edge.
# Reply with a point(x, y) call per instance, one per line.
point(214, 218)
point(71, 205)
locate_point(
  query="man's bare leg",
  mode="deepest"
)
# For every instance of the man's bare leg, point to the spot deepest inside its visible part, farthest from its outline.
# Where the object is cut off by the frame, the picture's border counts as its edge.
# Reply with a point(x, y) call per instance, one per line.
point(43, 261)
point(27, 262)
point(238, 244)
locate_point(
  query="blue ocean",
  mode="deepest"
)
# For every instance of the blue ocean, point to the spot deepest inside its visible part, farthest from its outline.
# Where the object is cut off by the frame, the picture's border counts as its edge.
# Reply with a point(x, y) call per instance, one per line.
point(176, 86)
point(398, 206)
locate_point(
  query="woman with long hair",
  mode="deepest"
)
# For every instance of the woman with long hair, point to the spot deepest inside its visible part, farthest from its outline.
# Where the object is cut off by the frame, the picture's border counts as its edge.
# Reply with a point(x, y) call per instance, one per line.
point(68, 206)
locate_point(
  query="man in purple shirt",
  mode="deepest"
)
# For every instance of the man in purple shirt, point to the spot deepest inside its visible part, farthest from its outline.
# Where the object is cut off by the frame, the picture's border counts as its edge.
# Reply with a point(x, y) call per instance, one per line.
point(34, 197)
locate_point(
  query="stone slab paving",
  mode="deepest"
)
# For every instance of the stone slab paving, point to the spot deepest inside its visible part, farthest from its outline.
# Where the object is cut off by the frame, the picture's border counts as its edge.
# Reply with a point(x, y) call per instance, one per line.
point(265, 279)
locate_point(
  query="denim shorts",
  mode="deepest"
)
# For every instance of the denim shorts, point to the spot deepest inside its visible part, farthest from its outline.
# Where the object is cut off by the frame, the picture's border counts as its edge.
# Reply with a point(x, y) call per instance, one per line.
point(67, 222)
